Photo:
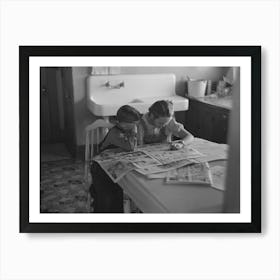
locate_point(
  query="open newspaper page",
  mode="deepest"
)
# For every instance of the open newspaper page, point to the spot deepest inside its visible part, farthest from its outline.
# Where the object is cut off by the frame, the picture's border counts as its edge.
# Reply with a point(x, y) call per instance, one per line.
point(117, 164)
point(218, 174)
point(164, 154)
point(148, 160)
point(110, 154)
point(116, 169)
point(163, 167)
point(211, 150)
point(197, 173)
point(140, 159)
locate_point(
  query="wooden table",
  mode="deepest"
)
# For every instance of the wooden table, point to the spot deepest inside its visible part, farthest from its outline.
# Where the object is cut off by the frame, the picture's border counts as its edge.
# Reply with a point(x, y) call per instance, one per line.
point(155, 196)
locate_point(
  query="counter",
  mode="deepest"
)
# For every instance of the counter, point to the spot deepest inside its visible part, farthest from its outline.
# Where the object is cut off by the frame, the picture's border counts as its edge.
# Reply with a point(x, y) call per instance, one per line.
point(224, 102)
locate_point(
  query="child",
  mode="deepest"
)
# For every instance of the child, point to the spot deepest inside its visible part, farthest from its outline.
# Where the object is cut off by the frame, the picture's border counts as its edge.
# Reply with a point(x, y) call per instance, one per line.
point(108, 196)
point(123, 134)
point(159, 125)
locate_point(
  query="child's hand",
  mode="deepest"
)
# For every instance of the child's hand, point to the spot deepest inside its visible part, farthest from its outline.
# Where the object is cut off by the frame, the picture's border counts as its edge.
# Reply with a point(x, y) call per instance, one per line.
point(131, 132)
point(177, 145)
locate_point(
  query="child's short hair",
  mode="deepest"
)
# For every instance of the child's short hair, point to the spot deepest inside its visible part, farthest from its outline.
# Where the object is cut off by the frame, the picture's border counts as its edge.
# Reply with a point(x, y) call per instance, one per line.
point(128, 114)
point(161, 108)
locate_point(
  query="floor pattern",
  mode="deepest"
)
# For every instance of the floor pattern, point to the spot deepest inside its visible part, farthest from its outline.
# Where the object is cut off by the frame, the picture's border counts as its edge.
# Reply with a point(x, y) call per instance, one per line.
point(62, 187)
point(63, 190)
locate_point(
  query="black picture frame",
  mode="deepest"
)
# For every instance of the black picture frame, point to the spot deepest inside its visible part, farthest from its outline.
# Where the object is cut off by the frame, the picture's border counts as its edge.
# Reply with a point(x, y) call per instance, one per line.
point(254, 52)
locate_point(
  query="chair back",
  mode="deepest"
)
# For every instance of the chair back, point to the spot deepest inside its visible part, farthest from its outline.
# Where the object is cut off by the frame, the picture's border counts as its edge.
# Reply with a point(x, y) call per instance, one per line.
point(95, 133)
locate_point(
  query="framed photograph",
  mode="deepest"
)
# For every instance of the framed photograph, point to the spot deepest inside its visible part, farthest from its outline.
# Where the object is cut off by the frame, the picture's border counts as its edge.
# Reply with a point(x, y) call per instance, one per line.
point(136, 139)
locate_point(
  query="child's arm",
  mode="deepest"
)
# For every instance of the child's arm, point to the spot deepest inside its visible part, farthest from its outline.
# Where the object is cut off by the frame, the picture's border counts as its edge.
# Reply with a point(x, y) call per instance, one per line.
point(177, 129)
point(119, 139)
point(185, 136)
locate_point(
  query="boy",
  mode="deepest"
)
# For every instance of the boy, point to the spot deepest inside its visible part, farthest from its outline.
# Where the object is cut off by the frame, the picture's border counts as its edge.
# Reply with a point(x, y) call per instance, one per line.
point(123, 134)
point(108, 196)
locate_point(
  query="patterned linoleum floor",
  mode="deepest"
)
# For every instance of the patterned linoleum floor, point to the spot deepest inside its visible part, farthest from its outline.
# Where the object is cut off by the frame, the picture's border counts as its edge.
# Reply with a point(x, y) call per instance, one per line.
point(62, 188)
point(62, 185)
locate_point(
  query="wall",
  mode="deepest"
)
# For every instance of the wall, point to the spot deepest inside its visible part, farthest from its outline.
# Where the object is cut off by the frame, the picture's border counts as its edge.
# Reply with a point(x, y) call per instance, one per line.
point(208, 73)
point(83, 117)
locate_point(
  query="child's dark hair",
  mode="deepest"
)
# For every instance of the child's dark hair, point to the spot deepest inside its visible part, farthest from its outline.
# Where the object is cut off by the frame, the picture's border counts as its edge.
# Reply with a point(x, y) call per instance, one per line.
point(161, 108)
point(128, 114)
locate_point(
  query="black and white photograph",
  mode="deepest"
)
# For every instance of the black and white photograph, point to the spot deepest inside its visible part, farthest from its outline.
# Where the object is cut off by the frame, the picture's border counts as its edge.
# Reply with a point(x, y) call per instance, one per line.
point(143, 106)
point(134, 100)
point(158, 135)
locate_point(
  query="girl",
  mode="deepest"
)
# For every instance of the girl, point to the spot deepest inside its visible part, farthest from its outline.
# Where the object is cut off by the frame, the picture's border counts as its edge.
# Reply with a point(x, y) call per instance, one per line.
point(159, 125)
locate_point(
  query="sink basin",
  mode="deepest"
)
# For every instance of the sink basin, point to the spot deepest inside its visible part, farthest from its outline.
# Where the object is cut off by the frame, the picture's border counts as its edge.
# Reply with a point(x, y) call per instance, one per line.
point(105, 96)
point(136, 101)
point(180, 103)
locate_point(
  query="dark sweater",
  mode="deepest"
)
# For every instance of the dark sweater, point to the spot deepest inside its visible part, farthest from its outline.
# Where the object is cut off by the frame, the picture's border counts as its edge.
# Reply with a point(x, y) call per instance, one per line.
point(117, 137)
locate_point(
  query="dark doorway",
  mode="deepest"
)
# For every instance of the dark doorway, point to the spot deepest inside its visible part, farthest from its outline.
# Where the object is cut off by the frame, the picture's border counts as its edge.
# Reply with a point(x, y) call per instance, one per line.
point(56, 109)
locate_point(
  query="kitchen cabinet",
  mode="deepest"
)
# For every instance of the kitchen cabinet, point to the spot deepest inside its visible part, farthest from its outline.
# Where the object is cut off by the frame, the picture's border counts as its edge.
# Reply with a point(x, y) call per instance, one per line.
point(207, 121)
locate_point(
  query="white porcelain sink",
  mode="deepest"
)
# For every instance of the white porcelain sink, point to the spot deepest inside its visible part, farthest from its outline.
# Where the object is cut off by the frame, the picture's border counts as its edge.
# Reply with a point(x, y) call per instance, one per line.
point(105, 94)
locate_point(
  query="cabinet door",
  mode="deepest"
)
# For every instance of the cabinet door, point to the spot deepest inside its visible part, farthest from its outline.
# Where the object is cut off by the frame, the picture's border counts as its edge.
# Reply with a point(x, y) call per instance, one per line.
point(194, 118)
point(207, 121)
point(221, 126)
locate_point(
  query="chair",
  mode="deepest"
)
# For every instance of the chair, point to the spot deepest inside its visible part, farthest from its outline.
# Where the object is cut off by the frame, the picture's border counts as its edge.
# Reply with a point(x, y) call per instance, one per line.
point(95, 133)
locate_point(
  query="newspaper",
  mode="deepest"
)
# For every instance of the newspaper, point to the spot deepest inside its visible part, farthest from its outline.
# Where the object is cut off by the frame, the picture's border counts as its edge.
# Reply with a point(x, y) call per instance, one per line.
point(164, 154)
point(163, 167)
point(149, 148)
point(147, 160)
point(110, 154)
point(218, 174)
point(116, 169)
point(170, 156)
point(211, 150)
point(117, 164)
point(197, 173)
point(140, 159)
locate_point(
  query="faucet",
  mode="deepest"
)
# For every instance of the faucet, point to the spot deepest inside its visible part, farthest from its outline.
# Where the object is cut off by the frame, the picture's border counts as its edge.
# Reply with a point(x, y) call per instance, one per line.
point(116, 86)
